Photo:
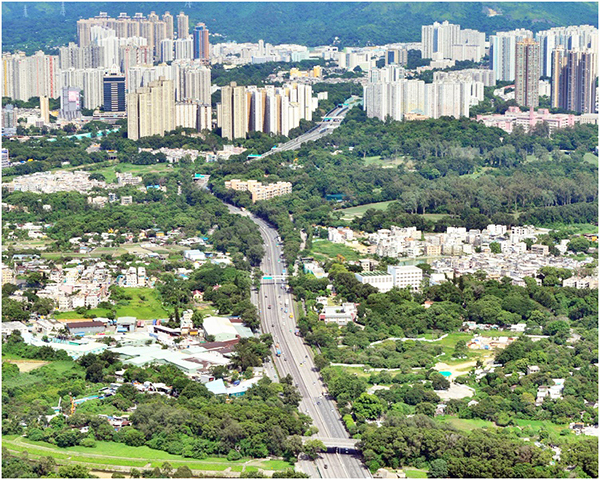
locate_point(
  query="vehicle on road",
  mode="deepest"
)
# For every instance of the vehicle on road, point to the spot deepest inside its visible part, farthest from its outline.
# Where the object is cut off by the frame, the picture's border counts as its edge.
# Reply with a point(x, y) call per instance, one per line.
point(325, 466)
point(269, 307)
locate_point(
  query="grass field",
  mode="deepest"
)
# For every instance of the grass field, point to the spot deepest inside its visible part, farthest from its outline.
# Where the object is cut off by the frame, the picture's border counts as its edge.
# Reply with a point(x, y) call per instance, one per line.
point(538, 425)
point(465, 424)
point(58, 255)
point(148, 308)
point(350, 213)
point(575, 228)
point(117, 454)
point(415, 473)
point(35, 377)
point(384, 162)
point(332, 250)
point(353, 212)
point(591, 158)
point(110, 174)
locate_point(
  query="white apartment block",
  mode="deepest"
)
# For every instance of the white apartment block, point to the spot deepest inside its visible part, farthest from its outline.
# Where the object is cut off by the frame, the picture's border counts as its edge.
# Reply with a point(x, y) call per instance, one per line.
point(8, 275)
point(258, 190)
point(581, 282)
point(342, 315)
point(266, 192)
point(141, 276)
point(90, 80)
point(439, 38)
point(382, 281)
point(573, 37)
point(448, 95)
point(184, 48)
point(271, 109)
point(496, 230)
point(339, 235)
point(503, 52)
point(131, 277)
point(194, 115)
point(406, 276)
point(396, 277)
point(34, 76)
point(151, 110)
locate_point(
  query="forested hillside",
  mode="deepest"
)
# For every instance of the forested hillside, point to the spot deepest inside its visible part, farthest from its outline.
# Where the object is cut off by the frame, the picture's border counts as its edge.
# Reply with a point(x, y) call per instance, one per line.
point(353, 23)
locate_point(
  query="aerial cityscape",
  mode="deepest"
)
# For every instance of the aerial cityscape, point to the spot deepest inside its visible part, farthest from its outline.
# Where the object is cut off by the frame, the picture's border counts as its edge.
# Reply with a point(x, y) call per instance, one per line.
point(300, 240)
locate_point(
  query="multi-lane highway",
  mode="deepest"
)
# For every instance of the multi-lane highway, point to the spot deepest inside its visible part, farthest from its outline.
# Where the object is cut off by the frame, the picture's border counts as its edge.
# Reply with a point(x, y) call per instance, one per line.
point(330, 122)
point(279, 318)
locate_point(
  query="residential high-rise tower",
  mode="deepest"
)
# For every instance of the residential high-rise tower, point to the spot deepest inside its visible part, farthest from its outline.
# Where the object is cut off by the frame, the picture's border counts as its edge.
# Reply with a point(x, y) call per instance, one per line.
point(151, 110)
point(439, 37)
point(574, 80)
point(201, 43)
point(183, 25)
point(503, 48)
point(527, 73)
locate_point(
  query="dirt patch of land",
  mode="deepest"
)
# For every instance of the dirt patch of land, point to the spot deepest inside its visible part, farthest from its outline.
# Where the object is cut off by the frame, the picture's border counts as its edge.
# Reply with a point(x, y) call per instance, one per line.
point(456, 391)
point(27, 365)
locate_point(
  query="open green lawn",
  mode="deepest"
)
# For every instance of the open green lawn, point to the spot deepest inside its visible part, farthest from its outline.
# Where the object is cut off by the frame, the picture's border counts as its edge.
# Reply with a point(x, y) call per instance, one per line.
point(350, 213)
point(415, 473)
point(148, 308)
point(58, 255)
point(575, 228)
point(332, 250)
point(471, 424)
point(110, 173)
point(540, 425)
point(118, 454)
point(496, 333)
point(377, 160)
point(114, 251)
point(465, 424)
point(591, 158)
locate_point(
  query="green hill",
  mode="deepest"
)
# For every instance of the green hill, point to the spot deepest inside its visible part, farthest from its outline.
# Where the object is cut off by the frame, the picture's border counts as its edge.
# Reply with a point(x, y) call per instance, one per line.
point(306, 23)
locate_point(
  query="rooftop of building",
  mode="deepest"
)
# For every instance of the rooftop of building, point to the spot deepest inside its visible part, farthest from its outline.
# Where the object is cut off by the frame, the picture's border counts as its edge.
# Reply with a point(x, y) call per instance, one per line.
point(374, 274)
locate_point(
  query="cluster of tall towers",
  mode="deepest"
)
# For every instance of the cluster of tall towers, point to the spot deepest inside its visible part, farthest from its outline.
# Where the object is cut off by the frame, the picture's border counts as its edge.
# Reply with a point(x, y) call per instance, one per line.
point(159, 32)
point(274, 110)
point(567, 55)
